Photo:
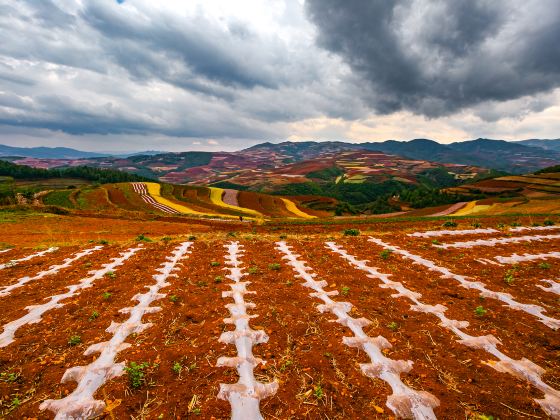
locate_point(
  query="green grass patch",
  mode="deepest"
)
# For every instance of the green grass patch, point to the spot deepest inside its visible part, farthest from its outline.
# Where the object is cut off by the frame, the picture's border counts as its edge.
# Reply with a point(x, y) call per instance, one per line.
point(59, 198)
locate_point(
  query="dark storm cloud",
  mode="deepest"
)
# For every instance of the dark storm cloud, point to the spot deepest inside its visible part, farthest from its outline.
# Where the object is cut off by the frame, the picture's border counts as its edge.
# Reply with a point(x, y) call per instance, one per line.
point(438, 57)
point(144, 68)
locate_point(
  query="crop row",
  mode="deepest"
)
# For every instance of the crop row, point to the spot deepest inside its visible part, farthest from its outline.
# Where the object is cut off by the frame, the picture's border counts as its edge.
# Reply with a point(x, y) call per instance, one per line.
point(408, 400)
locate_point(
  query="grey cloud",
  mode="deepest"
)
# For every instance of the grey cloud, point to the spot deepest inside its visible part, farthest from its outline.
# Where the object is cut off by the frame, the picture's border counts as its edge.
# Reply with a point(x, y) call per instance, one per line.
point(438, 57)
point(210, 77)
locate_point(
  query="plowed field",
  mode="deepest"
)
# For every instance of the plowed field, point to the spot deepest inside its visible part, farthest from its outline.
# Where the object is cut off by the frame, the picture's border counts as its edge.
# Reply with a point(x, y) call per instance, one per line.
point(394, 323)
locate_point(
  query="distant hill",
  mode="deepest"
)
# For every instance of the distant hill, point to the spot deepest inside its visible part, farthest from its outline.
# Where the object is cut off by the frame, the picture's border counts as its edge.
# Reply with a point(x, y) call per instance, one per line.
point(494, 154)
point(552, 144)
point(423, 149)
point(60, 153)
point(514, 157)
point(46, 152)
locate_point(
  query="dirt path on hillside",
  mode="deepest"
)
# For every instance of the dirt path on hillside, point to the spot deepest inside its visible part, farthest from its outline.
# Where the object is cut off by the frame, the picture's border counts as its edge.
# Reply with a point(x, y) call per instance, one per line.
point(451, 209)
point(230, 197)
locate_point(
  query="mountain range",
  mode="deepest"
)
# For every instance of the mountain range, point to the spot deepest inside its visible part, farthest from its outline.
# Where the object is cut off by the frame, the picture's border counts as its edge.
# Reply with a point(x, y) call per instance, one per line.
point(271, 166)
point(59, 153)
point(515, 157)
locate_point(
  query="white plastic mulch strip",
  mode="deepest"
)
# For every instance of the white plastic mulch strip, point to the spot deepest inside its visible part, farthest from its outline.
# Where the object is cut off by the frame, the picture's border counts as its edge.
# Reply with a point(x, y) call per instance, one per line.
point(35, 312)
point(526, 228)
point(81, 404)
point(405, 402)
point(13, 263)
point(53, 269)
point(514, 258)
point(436, 233)
point(2, 251)
point(244, 396)
point(553, 286)
point(464, 281)
point(141, 189)
point(497, 241)
point(522, 369)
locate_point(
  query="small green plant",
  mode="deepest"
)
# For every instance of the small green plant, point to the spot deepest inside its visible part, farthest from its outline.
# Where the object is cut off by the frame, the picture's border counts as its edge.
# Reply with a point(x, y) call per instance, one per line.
point(107, 295)
point(201, 283)
point(111, 274)
point(500, 226)
point(286, 365)
point(318, 392)
point(177, 368)
point(515, 224)
point(9, 377)
point(166, 238)
point(15, 402)
point(231, 234)
point(480, 311)
point(344, 290)
point(143, 238)
point(283, 237)
point(535, 224)
point(393, 326)
point(218, 279)
point(274, 266)
point(136, 373)
point(544, 265)
point(509, 277)
point(289, 283)
point(548, 222)
point(482, 417)
point(215, 264)
point(450, 224)
point(476, 225)
point(351, 232)
point(192, 238)
point(174, 298)
point(385, 254)
point(104, 242)
point(74, 340)
point(436, 242)
point(253, 270)
point(94, 315)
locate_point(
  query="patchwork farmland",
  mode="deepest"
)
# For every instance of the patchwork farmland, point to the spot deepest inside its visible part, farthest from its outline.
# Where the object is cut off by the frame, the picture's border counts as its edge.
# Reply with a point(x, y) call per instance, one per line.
point(125, 199)
point(419, 321)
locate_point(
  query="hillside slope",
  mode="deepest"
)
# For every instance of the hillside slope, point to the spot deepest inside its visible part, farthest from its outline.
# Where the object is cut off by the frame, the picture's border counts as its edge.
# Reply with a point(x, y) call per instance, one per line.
point(166, 199)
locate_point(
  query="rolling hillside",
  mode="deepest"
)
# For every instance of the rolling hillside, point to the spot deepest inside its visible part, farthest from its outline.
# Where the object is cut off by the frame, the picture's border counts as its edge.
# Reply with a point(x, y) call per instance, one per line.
point(125, 199)
point(530, 193)
point(495, 154)
point(267, 170)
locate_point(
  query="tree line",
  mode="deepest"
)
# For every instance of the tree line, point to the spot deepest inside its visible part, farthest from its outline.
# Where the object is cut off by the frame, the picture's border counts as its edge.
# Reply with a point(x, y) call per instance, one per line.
point(96, 175)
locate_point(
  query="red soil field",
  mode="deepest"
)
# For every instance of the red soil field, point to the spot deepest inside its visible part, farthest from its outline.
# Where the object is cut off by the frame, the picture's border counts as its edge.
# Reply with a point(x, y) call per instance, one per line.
point(318, 375)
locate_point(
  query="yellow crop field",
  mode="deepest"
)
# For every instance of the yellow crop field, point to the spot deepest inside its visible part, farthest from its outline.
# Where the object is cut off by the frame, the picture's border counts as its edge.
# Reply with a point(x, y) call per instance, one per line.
point(291, 207)
point(465, 210)
point(533, 206)
point(154, 190)
point(216, 198)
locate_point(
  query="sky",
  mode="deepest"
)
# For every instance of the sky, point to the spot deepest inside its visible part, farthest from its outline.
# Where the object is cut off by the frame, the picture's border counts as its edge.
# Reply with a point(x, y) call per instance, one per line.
point(175, 75)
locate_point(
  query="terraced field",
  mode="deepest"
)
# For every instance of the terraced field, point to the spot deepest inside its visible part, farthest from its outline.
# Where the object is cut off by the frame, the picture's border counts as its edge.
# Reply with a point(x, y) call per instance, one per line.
point(396, 323)
point(169, 199)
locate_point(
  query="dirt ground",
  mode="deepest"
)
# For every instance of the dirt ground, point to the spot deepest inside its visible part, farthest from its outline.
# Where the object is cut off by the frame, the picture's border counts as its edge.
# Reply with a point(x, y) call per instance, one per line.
point(319, 376)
